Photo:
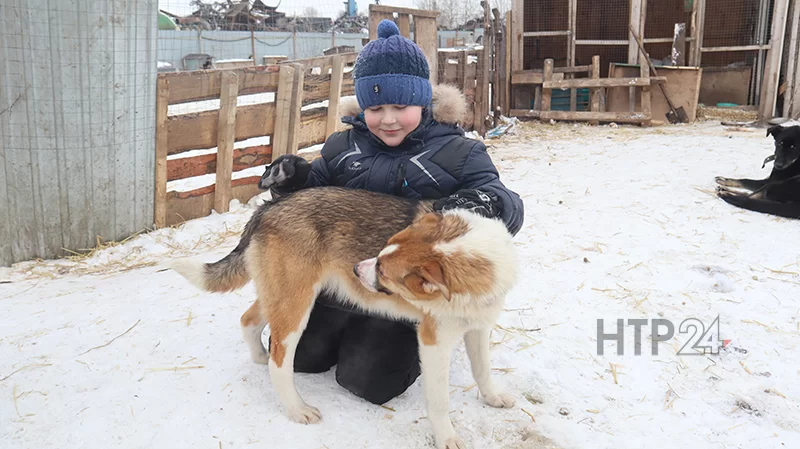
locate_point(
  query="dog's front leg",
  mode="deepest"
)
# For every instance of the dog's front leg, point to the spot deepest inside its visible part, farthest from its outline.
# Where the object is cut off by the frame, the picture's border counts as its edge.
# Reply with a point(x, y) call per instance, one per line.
point(435, 348)
point(477, 343)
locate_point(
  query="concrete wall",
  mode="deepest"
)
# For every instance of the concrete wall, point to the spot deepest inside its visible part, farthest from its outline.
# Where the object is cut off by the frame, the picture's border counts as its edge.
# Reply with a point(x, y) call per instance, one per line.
point(77, 124)
point(174, 45)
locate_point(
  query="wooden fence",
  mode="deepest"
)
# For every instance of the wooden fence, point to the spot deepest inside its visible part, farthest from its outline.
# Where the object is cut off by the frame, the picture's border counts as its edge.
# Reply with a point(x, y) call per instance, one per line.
point(285, 120)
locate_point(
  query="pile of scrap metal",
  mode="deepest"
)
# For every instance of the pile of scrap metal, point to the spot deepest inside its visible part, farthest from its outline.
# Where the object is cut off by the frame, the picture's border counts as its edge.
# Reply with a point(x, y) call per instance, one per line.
point(351, 24)
point(233, 15)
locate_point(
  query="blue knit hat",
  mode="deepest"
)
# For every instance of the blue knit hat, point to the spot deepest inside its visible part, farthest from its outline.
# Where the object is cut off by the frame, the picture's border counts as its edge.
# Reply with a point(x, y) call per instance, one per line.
point(391, 70)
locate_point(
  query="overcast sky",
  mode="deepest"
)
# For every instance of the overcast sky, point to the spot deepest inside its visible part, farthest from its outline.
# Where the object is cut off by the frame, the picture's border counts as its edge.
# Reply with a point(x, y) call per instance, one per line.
point(325, 8)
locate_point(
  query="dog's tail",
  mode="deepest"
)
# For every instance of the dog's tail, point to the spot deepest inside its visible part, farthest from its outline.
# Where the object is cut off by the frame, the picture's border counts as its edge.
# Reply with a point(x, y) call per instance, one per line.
point(227, 274)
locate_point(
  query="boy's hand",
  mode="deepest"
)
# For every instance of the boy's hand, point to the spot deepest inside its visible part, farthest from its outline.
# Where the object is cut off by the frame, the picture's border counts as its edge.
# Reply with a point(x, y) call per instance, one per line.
point(286, 173)
point(483, 203)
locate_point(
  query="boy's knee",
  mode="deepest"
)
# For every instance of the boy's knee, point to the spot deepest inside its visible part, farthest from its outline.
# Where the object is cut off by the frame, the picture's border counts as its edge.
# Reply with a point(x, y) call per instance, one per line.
point(376, 387)
point(378, 359)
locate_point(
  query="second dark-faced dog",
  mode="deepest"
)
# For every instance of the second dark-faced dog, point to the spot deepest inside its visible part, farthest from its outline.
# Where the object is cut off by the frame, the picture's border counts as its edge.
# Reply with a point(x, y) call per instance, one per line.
point(778, 194)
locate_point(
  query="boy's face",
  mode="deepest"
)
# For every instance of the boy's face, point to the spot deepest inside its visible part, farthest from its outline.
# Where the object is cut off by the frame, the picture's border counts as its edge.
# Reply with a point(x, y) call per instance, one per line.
point(392, 123)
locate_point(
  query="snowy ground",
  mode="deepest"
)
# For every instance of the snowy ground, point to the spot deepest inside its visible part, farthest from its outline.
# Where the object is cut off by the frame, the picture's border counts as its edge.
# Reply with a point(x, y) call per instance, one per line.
point(620, 223)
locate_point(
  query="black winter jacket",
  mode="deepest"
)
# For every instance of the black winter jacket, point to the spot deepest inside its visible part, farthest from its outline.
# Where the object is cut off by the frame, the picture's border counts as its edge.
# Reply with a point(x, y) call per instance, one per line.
point(433, 162)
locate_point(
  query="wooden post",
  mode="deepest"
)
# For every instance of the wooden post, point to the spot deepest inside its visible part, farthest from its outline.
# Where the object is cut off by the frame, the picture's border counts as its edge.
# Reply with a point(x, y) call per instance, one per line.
point(283, 99)
point(791, 99)
point(478, 111)
point(572, 10)
point(337, 75)
point(294, 40)
point(426, 36)
point(596, 92)
point(679, 45)
point(517, 62)
point(295, 108)
point(375, 17)
point(769, 91)
point(507, 64)
point(226, 135)
point(637, 6)
point(698, 25)
point(548, 76)
point(461, 71)
point(162, 107)
point(253, 45)
point(404, 23)
point(497, 43)
point(644, 73)
point(637, 17)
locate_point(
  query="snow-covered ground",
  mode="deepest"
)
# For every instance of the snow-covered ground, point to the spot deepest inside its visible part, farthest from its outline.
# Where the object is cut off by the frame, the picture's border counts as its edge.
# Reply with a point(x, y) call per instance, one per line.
point(112, 351)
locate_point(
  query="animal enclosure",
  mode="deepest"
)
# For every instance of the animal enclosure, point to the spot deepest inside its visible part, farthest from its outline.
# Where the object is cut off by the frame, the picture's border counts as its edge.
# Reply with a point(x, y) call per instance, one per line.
point(740, 41)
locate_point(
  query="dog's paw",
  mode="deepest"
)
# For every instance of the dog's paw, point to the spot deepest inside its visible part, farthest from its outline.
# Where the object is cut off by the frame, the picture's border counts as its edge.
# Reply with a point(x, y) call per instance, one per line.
point(453, 443)
point(721, 180)
point(305, 415)
point(500, 400)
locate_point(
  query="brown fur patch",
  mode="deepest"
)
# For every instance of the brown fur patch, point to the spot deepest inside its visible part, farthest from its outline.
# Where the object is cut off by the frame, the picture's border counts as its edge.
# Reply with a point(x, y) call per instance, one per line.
point(427, 274)
point(427, 330)
point(284, 284)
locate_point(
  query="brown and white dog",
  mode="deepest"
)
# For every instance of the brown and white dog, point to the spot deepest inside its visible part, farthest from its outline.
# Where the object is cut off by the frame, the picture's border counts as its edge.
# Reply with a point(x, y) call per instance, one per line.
point(391, 256)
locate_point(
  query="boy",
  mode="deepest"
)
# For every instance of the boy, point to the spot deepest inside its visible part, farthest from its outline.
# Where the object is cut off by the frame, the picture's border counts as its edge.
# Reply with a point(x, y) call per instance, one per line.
point(404, 141)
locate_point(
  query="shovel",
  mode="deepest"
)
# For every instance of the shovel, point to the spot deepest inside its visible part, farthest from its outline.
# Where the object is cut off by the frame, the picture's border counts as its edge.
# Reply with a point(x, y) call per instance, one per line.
point(675, 115)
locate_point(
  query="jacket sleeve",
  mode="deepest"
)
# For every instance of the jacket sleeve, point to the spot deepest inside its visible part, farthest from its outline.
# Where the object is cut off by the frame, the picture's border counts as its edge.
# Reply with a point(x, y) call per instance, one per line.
point(322, 173)
point(480, 173)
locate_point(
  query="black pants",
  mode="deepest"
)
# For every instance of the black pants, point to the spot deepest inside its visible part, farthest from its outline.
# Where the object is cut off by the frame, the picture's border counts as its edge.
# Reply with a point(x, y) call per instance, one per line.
point(377, 359)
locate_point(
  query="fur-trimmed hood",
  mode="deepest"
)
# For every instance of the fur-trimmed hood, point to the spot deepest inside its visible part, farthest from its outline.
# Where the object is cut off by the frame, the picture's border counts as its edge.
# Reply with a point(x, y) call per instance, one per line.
point(448, 106)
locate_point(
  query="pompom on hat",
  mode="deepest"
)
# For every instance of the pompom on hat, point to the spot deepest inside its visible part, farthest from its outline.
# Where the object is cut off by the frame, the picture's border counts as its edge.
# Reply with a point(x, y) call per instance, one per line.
point(391, 70)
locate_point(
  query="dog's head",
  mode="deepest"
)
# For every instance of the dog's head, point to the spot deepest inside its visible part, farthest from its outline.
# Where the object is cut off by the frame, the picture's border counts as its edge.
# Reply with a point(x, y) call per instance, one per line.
point(439, 256)
point(787, 145)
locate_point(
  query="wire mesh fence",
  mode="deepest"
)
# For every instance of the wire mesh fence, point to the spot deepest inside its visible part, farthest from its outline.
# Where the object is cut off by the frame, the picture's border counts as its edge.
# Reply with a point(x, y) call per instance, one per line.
point(197, 34)
point(76, 124)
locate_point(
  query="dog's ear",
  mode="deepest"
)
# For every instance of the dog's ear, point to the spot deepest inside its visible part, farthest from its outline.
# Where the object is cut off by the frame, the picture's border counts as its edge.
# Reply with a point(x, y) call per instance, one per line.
point(773, 130)
point(433, 278)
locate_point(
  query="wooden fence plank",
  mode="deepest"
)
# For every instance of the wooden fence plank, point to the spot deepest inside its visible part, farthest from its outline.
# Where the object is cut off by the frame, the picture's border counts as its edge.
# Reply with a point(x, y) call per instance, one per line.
point(334, 96)
point(387, 9)
point(404, 23)
point(644, 73)
point(596, 93)
point(187, 167)
point(205, 84)
point(772, 70)
point(427, 39)
point(375, 18)
point(162, 105)
point(199, 130)
point(548, 77)
point(619, 117)
point(184, 206)
point(226, 134)
point(313, 127)
point(507, 63)
point(582, 83)
point(295, 106)
point(790, 105)
point(283, 103)
point(516, 35)
point(316, 88)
